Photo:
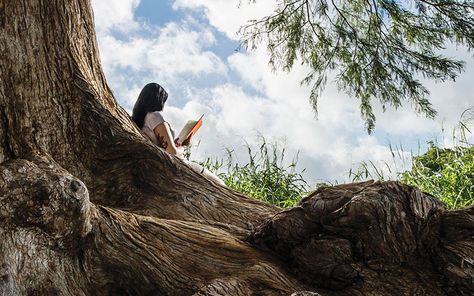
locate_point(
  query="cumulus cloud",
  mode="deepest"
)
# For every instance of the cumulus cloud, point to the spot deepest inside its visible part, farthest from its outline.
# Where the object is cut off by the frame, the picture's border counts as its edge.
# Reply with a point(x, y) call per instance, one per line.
point(174, 50)
point(112, 14)
point(449, 98)
point(228, 16)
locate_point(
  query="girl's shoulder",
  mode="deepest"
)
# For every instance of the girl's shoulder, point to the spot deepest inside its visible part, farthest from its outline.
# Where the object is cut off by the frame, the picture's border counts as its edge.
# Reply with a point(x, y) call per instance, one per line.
point(152, 119)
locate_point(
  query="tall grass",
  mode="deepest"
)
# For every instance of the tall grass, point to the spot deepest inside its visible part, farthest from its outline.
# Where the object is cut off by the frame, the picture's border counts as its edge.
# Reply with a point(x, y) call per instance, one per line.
point(389, 169)
point(447, 174)
point(264, 175)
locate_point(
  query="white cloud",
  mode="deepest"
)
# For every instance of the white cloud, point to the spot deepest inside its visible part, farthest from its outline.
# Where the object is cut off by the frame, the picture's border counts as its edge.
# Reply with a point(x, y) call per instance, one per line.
point(174, 50)
point(113, 14)
point(228, 16)
point(449, 98)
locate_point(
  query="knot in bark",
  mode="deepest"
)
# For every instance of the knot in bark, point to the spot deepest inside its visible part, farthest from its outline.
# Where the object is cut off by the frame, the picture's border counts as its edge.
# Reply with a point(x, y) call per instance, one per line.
point(40, 194)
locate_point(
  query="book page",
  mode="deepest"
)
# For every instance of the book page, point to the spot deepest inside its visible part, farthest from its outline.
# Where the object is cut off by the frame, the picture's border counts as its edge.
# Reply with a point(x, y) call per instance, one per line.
point(189, 129)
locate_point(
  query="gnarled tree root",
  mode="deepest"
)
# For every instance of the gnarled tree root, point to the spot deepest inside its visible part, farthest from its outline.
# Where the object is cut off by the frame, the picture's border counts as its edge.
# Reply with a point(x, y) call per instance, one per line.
point(373, 238)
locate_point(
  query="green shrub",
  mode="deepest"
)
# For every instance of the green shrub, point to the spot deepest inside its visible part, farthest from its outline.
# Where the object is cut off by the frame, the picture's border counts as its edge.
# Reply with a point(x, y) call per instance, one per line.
point(447, 174)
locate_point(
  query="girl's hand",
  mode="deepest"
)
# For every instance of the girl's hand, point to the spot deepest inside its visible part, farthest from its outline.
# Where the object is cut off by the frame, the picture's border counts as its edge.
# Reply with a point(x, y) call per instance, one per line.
point(187, 142)
point(176, 143)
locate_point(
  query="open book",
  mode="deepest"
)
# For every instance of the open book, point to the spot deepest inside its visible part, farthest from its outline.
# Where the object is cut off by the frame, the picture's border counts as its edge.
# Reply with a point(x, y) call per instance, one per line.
point(189, 129)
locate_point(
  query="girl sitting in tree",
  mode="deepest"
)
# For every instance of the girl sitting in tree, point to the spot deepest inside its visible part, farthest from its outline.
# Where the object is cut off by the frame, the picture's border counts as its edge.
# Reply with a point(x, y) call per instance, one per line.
point(147, 114)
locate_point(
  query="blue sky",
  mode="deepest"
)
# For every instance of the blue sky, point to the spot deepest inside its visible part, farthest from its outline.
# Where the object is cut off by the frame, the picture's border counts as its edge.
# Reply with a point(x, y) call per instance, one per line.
point(189, 47)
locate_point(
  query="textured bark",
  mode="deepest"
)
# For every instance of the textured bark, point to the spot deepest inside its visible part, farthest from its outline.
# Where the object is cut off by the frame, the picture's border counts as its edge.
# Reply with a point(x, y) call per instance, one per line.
point(375, 238)
point(88, 206)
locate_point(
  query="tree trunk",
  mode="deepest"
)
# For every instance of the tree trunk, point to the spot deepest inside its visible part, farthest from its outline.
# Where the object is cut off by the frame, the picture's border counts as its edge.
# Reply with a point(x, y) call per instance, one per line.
point(88, 206)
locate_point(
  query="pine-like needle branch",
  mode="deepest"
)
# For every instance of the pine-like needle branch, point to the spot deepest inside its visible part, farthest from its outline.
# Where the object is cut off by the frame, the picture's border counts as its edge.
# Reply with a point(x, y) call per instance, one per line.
point(378, 49)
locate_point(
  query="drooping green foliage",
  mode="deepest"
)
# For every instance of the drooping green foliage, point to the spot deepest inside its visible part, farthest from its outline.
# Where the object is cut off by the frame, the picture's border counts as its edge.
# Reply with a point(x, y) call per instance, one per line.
point(377, 48)
point(264, 175)
point(448, 174)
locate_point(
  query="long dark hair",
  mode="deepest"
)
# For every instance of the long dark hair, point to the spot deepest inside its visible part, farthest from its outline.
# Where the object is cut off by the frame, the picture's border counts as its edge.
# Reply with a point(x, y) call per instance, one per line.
point(152, 98)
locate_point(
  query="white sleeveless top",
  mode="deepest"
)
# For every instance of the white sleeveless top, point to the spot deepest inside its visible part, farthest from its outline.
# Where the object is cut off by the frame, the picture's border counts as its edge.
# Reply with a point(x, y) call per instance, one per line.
point(152, 119)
